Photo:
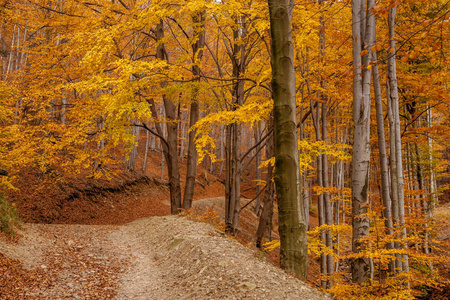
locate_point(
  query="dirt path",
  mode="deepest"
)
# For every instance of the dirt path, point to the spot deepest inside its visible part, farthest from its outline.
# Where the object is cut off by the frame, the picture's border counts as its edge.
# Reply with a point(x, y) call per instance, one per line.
point(153, 258)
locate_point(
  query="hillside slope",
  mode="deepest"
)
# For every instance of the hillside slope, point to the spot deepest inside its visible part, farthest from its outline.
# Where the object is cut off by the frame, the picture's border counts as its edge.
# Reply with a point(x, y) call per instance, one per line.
point(152, 258)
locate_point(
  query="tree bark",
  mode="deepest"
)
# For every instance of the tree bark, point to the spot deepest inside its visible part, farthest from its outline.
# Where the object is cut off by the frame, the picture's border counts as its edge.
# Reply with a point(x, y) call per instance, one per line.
point(234, 166)
point(361, 267)
point(172, 134)
point(316, 116)
point(393, 94)
point(292, 227)
point(387, 213)
point(265, 221)
point(197, 50)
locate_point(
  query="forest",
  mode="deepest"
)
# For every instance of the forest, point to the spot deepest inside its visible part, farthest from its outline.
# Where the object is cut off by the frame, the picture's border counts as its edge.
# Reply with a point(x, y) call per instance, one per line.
point(328, 120)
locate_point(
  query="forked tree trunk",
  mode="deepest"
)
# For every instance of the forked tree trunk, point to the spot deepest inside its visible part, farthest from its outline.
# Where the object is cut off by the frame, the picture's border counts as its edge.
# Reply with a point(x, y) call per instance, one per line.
point(292, 227)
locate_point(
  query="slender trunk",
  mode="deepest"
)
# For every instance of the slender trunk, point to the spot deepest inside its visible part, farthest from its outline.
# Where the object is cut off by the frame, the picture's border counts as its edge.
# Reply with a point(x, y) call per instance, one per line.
point(257, 169)
point(394, 186)
point(326, 199)
point(265, 221)
point(130, 160)
point(387, 213)
point(393, 93)
point(229, 204)
point(147, 145)
point(222, 149)
point(172, 134)
point(433, 187)
point(423, 202)
point(320, 197)
point(197, 49)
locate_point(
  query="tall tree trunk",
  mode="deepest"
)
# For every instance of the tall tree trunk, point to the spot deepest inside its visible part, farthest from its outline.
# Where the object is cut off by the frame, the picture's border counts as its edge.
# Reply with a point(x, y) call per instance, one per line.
point(394, 186)
point(229, 205)
point(316, 116)
point(147, 145)
point(257, 169)
point(172, 134)
point(361, 267)
point(327, 208)
point(197, 50)
point(387, 213)
point(292, 227)
point(265, 221)
point(393, 94)
point(130, 161)
point(327, 199)
point(423, 202)
point(433, 186)
point(233, 194)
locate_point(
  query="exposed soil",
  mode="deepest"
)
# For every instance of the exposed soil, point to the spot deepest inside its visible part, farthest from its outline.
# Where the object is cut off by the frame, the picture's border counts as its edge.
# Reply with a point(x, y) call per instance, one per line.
point(89, 238)
point(151, 258)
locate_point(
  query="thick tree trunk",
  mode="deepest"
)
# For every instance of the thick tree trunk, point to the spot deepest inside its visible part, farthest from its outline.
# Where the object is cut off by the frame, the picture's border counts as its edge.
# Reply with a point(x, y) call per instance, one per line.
point(197, 50)
point(292, 227)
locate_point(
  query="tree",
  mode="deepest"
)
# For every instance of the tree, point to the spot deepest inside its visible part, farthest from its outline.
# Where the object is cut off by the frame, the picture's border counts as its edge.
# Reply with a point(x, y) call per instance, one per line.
point(197, 53)
point(292, 227)
point(396, 142)
point(361, 267)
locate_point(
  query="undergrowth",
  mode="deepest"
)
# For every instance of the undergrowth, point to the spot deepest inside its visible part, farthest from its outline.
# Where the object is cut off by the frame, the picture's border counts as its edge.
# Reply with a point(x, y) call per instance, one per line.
point(9, 219)
point(208, 215)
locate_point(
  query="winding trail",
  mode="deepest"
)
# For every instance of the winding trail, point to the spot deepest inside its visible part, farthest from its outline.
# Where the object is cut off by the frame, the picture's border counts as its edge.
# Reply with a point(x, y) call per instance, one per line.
point(152, 258)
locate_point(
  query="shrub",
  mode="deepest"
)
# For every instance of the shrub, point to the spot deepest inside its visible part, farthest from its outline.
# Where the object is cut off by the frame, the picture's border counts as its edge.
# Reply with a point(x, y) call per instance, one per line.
point(9, 219)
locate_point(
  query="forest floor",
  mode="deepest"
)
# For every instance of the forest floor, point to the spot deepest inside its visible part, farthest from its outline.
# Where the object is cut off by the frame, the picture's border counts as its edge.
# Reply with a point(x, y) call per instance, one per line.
point(87, 238)
point(152, 258)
